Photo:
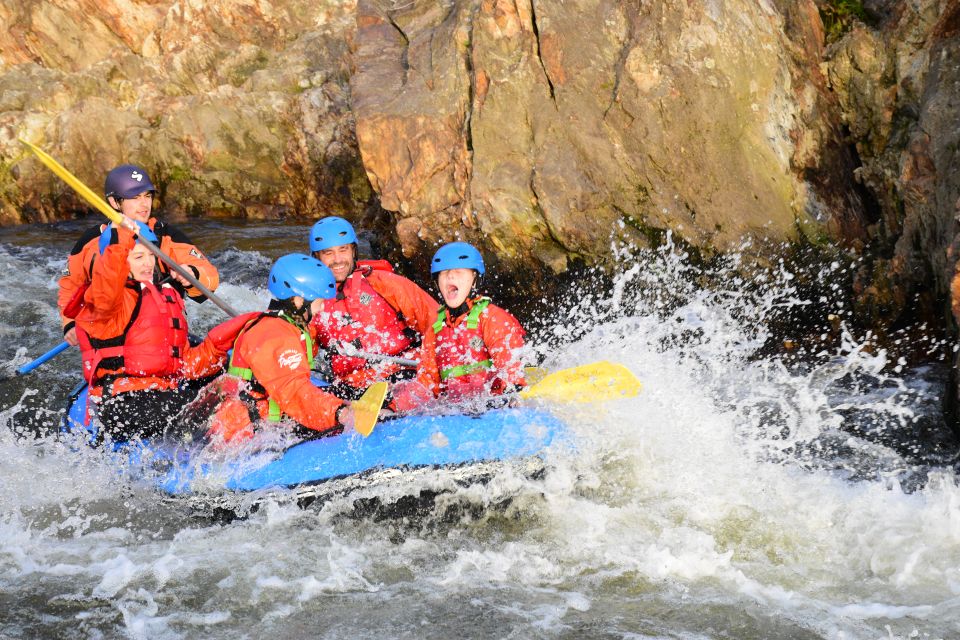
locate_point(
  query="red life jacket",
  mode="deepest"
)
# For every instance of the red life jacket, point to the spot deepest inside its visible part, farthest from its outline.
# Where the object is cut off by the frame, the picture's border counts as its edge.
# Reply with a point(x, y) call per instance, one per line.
point(363, 318)
point(152, 344)
point(462, 357)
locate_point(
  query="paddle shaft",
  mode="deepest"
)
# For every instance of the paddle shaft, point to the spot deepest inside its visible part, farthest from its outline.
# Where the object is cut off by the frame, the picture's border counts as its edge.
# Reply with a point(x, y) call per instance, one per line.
point(155, 250)
point(117, 218)
point(347, 349)
point(49, 355)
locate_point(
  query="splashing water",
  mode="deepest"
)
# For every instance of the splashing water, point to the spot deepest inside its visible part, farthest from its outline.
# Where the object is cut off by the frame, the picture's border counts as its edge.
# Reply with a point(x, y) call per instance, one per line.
point(740, 495)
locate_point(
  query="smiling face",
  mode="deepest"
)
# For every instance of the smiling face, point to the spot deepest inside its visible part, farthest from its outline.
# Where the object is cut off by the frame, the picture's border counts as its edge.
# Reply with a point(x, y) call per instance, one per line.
point(455, 285)
point(340, 259)
point(142, 263)
point(138, 207)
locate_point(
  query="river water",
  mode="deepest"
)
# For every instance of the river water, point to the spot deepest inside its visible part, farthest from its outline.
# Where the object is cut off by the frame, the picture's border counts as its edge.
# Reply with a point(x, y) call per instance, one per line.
point(739, 495)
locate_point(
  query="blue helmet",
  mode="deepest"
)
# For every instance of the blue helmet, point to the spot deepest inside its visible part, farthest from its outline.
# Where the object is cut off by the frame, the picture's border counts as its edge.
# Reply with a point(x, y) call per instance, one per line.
point(299, 275)
point(127, 181)
point(456, 255)
point(331, 232)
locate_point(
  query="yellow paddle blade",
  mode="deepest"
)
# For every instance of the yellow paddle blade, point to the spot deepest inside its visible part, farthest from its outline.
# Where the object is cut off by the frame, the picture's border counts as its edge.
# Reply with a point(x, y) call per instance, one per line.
point(366, 410)
point(533, 375)
point(586, 383)
point(85, 192)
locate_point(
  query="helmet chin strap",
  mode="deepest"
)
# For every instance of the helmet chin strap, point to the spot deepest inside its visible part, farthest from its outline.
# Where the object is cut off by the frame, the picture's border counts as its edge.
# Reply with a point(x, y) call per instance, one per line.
point(475, 286)
point(307, 311)
point(304, 311)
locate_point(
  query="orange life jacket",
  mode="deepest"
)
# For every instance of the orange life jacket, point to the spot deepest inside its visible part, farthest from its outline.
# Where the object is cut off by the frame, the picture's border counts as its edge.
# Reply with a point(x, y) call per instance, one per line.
point(151, 345)
point(240, 368)
point(240, 406)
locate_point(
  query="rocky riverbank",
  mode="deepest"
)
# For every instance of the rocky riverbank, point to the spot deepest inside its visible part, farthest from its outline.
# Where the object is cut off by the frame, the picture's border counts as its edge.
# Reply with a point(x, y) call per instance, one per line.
point(544, 132)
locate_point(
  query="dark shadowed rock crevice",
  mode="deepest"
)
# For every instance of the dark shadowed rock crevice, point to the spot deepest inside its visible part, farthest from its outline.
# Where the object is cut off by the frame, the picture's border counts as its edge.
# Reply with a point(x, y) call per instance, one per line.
point(896, 85)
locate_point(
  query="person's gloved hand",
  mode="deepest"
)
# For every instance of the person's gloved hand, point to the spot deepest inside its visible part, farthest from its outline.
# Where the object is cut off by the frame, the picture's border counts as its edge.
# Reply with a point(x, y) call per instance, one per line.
point(225, 334)
point(407, 395)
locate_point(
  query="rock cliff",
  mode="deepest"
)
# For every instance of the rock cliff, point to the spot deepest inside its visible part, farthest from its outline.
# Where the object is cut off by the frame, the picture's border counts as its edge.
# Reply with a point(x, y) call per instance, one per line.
point(546, 130)
point(542, 131)
point(238, 108)
point(897, 83)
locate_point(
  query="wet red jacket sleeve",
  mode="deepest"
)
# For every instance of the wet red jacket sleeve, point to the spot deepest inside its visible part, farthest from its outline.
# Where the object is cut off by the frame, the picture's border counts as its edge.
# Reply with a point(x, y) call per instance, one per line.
point(78, 272)
point(428, 373)
point(203, 360)
point(108, 302)
point(210, 356)
point(419, 309)
point(503, 336)
point(273, 350)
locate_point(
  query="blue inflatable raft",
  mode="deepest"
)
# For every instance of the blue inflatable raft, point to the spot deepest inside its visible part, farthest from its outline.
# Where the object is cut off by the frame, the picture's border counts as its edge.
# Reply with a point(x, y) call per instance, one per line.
point(409, 442)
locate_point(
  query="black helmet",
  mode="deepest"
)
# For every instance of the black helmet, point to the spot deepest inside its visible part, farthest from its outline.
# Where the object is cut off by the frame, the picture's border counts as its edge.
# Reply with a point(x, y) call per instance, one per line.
point(127, 181)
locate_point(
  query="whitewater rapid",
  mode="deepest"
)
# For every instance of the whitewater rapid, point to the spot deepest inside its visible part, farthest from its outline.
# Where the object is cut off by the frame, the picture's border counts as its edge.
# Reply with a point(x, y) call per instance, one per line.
point(730, 499)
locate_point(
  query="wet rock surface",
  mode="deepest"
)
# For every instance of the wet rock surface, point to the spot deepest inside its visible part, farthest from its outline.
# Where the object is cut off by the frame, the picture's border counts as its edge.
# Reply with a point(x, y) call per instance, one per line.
point(237, 109)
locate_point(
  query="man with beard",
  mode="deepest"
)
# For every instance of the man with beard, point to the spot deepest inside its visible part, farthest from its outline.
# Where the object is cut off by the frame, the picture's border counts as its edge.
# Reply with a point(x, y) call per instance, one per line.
point(376, 312)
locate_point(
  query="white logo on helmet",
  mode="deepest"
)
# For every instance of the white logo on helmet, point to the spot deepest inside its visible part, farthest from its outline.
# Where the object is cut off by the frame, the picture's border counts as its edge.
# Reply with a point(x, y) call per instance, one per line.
point(136, 176)
point(291, 359)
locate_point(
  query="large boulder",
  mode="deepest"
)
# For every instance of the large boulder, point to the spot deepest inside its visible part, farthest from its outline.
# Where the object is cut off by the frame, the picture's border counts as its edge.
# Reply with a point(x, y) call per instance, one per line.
point(544, 131)
point(237, 108)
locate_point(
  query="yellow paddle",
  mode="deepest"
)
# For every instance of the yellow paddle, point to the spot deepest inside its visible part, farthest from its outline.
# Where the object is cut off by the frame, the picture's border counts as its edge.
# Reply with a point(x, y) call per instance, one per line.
point(366, 410)
point(85, 192)
point(533, 375)
point(586, 383)
point(116, 217)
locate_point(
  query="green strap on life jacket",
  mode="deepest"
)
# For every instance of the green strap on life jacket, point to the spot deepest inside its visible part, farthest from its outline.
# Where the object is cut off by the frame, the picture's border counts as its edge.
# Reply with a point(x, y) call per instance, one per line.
point(273, 413)
point(465, 369)
point(473, 321)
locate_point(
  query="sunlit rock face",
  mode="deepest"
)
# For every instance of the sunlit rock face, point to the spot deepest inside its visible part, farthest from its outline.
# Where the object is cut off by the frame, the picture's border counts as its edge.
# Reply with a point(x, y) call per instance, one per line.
point(237, 108)
point(542, 130)
point(545, 130)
